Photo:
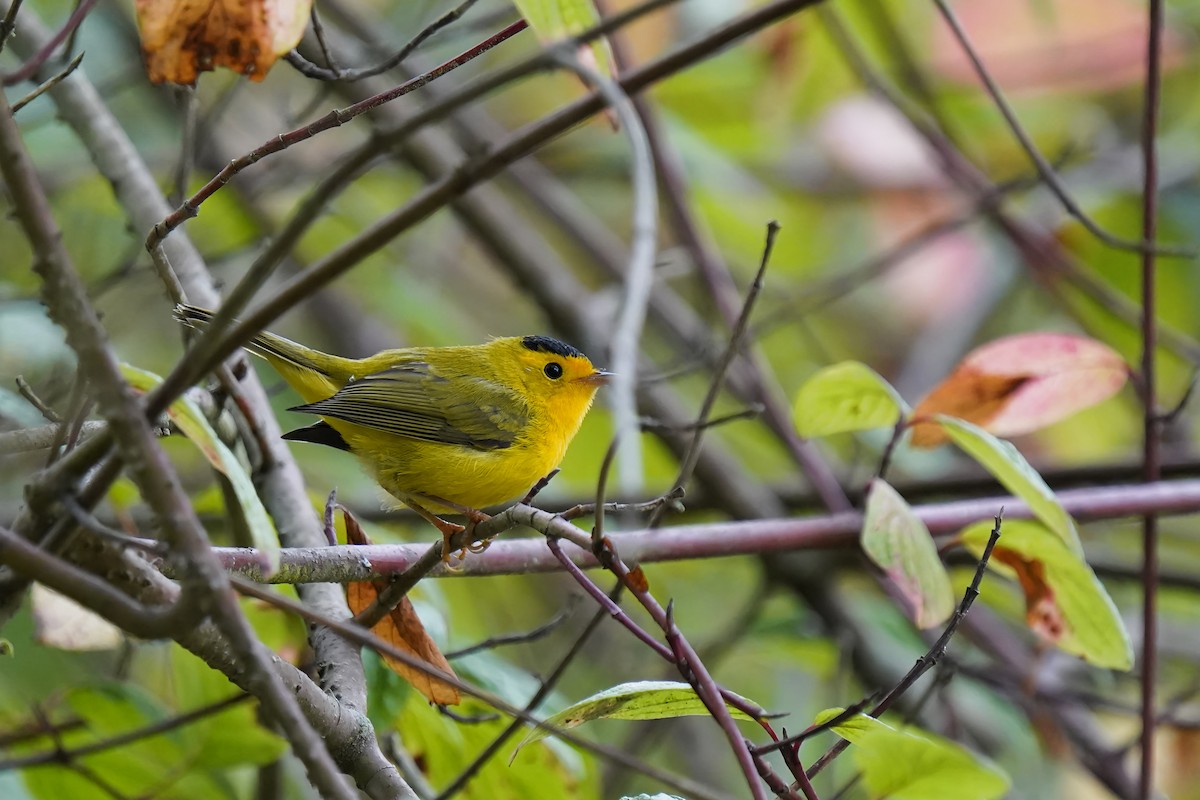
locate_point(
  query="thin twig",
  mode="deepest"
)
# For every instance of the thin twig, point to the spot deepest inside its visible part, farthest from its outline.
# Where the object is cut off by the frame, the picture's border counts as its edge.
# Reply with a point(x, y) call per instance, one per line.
point(607, 603)
point(492, 642)
point(68, 755)
point(30, 67)
point(9, 23)
point(48, 84)
point(583, 509)
point(813, 730)
point(26, 391)
point(718, 377)
point(599, 505)
point(86, 520)
point(1151, 444)
point(335, 73)
point(931, 656)
point(1044, 168)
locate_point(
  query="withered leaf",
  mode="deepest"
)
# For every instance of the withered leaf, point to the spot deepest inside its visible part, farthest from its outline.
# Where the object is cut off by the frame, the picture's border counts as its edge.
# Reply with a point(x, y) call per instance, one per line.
point(1043, 615)
point(182, 38)
point(402, 629)
point(967, 394)
point(1020, 384)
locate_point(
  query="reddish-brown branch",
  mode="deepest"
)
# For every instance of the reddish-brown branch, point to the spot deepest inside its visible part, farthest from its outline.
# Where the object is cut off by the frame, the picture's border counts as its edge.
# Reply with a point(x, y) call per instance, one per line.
point(1151, 452)
point(30, 67)
point(931, 657)
point(680, 542)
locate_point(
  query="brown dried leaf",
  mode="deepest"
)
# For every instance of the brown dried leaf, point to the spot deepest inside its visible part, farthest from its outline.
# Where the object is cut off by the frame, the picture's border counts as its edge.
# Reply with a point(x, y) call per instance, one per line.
point(638, 580)
point(354, 532)
point(402, 629)
point(1042, 611)
point(967, 394)
point(182, 38)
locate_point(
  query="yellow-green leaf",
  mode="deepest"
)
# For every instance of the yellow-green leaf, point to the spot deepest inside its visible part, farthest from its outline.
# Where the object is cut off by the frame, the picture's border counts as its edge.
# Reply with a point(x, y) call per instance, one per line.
point(1008, 466)
point(636, 700)
point(910, 764)
point(188, 417)
point(553, 20)
point(897, 540)
point(1064, 600)
point(844, 397)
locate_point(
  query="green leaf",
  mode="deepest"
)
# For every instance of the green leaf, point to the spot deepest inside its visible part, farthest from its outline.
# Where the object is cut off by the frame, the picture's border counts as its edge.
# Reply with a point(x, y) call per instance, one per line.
point(195, 427)
point(1066, 603)
point(445, 747)
point(849, 396)
point(133, 769)
point(116, 708)
point(897, 540)
point(232, 737)
point(909, 764)
point(636, 700)
point(553, 20)
point(1007, 465)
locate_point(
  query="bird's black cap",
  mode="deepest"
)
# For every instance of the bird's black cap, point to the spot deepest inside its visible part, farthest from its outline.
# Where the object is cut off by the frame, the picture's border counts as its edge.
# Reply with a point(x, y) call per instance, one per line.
point(545, 344)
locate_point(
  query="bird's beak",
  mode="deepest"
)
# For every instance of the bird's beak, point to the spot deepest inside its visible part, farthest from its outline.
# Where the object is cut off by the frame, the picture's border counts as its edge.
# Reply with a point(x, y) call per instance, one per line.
point(599, 377)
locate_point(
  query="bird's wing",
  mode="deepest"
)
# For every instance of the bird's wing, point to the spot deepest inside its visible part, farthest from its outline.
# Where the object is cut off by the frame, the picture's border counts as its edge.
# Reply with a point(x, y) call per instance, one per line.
point(414, 401)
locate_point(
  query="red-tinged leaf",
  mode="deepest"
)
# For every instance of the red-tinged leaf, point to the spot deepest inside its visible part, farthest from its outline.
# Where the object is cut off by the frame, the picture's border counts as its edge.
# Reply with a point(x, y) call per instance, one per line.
point(897, 541)
point(1042, 613)
point(182, 38)
point(1065, 604)
point(1020, 384)
point(402, 629)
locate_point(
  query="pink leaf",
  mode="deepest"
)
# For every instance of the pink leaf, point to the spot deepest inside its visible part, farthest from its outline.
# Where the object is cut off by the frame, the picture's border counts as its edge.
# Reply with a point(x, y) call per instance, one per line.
point(1023, 383)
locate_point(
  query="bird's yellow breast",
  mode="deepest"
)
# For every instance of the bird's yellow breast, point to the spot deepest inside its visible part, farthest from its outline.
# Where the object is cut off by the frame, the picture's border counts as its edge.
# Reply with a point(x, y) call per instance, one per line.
point(430, 471)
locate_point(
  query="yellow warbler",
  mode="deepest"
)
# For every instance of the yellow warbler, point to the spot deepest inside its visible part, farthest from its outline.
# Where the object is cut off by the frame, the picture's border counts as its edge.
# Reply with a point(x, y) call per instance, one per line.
point(442, 429)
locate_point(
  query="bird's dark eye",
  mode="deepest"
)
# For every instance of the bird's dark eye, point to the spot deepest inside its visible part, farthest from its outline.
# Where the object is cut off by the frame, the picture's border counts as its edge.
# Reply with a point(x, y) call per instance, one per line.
point(553, 370)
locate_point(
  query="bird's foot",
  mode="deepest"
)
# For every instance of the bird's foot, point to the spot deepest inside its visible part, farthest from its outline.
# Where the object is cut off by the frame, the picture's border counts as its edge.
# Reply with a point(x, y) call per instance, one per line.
point(448, 530)
point(474, 518)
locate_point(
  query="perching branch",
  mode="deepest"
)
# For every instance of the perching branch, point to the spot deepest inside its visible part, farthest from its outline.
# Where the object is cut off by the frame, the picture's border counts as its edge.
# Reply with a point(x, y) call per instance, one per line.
point(680, 542)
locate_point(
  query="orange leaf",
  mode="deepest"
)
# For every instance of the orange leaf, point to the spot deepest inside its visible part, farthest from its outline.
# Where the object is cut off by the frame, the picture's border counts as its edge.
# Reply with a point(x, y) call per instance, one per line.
point(182, 38)
point(1020, 384)
point(402, 629)
point(638, 580)
point(967, 394)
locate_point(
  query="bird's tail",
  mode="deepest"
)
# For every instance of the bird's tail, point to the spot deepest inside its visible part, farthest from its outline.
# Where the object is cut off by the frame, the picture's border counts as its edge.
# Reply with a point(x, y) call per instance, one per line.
point(265, 344)
point(315, 375)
